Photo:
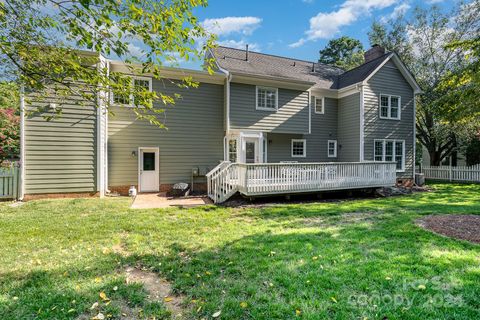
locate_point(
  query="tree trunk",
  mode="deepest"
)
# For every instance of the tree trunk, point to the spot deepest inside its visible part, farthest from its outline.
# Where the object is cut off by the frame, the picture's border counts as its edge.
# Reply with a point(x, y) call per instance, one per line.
point(435, 158)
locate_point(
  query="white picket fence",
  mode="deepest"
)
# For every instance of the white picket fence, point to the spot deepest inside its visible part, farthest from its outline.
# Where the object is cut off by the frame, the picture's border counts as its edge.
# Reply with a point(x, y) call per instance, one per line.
point(9, 182)
point(460, 173)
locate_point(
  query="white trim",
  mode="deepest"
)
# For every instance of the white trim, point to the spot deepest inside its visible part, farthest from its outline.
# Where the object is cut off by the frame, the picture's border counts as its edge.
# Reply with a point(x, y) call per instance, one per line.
point(348, 91)
point(265, 149)
point(362, 124)
point(328, 148)
point(394, 141)
point(389, 110)
point(157, 167)
point(315, 104)
point(414, 132)
point(304, 141)
point(227, 100)
point(22, 143)
point(264, 108)
point(168, 72)
point(309, 112)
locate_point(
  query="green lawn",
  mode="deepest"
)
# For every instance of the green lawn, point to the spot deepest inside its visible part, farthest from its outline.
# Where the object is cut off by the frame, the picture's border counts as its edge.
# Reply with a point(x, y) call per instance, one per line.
point(363, 259)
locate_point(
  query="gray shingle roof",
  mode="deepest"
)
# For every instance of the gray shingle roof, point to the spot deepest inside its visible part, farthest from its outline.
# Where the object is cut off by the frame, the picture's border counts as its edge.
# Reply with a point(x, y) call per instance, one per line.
point(324, 76)
point(359, 73)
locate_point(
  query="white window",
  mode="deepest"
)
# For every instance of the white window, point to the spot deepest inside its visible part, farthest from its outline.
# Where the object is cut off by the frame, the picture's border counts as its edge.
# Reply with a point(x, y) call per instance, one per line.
point(332, 148)
point(390, 150)
point(299, 148)
point(267, 98)
point(389, 107)
point(128, 98)
point(319, 104)
point(232, 150)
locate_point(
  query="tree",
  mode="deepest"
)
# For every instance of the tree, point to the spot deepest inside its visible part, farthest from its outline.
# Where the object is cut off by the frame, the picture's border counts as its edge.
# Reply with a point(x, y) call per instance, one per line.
point(9, 121)
point(422, 43)
point(40, 42)
point(344, 52)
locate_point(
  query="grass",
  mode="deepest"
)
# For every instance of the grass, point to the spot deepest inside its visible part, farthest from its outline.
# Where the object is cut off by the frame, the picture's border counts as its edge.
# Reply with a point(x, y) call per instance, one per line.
point(346, 260)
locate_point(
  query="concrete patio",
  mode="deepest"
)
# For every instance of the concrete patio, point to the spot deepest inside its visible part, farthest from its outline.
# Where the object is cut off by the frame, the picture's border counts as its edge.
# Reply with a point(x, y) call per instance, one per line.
point(160, 200)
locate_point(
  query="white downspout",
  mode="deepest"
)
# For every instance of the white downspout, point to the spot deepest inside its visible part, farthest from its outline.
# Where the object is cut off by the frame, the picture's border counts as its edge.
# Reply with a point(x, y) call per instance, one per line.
point(362, 124)
point(22, 143)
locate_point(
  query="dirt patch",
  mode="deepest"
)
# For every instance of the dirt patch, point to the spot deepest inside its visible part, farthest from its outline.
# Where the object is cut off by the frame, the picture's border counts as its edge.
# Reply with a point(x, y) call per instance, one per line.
point(158, 290)
point(464, 227)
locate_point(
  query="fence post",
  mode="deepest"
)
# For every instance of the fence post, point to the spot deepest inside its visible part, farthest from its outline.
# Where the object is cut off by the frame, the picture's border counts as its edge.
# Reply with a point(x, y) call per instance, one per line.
point(450, 172)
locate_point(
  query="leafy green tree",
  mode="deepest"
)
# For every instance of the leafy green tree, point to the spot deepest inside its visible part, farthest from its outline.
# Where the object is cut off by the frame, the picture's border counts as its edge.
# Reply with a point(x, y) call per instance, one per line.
point(39, 42)
point(344, 52)
point(423, 44)
point(9, 121)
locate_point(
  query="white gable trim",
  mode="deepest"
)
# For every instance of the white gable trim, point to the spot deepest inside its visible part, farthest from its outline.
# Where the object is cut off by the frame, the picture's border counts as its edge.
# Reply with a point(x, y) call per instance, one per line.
point(403, 70)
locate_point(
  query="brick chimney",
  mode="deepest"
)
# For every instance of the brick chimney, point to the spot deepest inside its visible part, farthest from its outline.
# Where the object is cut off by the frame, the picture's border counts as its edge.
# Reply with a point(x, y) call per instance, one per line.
point(374, 52)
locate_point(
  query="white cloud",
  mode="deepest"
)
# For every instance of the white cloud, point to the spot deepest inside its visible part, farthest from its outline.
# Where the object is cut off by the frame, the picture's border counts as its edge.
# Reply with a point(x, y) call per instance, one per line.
point(228, 25)
point(135, 51)
point(434, 1)
point(308, 1)
point(326, 25)
point(399, 10)
point(239, 44)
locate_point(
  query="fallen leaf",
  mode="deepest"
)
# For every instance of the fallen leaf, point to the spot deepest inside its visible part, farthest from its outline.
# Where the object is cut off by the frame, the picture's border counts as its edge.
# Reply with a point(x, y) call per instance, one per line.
point(15, 298)
point(98, 279)
point(217, 314)
point(71, 310)
point(333, 299)
point(421, 287)
point(243, 304)
point(168, 299)
point(314, 258)
point(388, 278)
point(115, 288)
point(103, 296)
point(95, 305)
point(298, 312)
point(99, 316)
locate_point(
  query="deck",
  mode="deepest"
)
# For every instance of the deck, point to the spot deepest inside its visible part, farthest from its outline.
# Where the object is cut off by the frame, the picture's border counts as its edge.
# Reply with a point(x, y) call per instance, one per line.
point(286, 178)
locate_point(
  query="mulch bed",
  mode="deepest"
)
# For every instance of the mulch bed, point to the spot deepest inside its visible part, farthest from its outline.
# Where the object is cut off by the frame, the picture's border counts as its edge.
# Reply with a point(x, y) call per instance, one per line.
point(464, 227)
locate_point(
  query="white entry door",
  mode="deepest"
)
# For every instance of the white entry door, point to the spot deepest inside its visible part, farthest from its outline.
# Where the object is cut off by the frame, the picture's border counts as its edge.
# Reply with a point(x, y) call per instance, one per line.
point(251, 151)
point(148, 171)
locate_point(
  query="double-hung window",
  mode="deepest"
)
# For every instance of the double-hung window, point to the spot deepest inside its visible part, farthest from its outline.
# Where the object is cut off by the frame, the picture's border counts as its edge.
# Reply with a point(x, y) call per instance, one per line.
point(332, 148)
point(389, 107)
point(138, 85)
point(267, 98)
point(390, 150)
point(299, 148)
point(319, 104)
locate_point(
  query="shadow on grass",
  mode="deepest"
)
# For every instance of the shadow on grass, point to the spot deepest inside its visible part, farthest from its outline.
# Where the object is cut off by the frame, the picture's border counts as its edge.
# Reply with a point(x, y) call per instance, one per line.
point(70, 293)
point(338, 269)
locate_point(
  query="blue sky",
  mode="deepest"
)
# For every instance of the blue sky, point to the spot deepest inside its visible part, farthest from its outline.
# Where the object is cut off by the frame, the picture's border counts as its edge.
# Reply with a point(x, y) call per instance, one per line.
point(298, 28)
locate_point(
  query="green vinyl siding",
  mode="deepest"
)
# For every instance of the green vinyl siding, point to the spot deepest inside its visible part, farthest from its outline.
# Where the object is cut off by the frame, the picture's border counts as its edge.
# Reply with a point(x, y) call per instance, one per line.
point(193, 136)
point(292, 115)
point(60, 154)
point(324, 128)
point(349, 128)
point(389, 80)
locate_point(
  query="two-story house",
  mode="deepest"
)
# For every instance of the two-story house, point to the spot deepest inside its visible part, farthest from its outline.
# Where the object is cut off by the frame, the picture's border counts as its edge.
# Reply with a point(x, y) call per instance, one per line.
point(278, 124)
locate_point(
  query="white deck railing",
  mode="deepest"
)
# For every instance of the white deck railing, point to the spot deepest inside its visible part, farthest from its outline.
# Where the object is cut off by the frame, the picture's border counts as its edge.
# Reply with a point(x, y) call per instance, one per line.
point(285, 178)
